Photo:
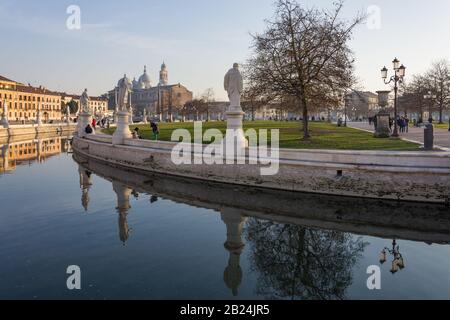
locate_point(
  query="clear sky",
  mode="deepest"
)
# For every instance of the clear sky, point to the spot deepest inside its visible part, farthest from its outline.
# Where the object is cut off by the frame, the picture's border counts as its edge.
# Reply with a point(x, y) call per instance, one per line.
point(198, 39)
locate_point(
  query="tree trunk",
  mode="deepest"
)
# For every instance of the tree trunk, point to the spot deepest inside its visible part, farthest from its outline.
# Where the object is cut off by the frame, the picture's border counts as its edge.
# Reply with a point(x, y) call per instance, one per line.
point(306, 134)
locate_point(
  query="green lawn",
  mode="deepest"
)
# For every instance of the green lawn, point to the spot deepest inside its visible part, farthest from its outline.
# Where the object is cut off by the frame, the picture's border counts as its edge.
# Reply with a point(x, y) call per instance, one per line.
point(441, 126)
point(324, 135)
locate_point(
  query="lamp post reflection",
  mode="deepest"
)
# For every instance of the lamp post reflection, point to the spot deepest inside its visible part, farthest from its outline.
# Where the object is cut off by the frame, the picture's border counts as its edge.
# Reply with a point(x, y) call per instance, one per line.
point(123, 206)
point(398, 262)
point(234, 222)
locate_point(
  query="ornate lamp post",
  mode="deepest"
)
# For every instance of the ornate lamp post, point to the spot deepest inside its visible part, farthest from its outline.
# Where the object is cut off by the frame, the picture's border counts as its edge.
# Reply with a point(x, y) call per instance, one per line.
point(399, 74)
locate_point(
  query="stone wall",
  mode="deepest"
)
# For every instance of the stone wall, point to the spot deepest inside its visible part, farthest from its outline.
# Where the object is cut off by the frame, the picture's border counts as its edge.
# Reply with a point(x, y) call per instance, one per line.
point(426, 222)
point(19, 130)
point(412, 176)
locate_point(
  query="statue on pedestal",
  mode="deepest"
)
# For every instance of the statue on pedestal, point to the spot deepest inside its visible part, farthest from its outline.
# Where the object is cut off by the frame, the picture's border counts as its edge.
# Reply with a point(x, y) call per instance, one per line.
point(124, 114)
point(4, 121)
point(123, 99)
point(84, 102)
point(68, 114)
point(144, 116)
point(234, 85)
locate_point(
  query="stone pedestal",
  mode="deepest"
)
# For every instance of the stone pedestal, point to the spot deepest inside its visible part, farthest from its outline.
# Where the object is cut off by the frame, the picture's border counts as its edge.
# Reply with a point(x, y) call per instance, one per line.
point(123, 206)
point(234, 222)
point(382, 129)
point(429, 137)
point(235, 138)
point(123, 130)
point(4, 122)
point(84, 118)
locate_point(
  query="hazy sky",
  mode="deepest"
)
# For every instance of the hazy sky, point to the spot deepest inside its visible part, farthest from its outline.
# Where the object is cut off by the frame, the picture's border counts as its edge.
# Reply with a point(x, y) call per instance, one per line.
point(198, 39)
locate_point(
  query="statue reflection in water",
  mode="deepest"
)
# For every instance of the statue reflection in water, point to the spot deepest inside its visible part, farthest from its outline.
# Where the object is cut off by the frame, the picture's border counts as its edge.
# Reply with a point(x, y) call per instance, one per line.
point(123, 206)
point(85, 185)
point(234, 222)
point(298, 263)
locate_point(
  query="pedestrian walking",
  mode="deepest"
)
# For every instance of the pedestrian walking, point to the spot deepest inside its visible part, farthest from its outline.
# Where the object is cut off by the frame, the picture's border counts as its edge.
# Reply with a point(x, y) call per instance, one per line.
point(155, 130)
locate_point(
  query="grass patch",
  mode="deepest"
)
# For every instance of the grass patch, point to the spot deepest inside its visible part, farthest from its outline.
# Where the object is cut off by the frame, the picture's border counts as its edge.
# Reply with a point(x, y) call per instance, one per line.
point(323, 135)
point(441, 126)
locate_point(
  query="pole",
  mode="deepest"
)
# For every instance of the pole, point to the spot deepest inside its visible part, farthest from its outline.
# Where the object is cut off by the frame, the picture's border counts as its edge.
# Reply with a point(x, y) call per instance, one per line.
point(395, 134)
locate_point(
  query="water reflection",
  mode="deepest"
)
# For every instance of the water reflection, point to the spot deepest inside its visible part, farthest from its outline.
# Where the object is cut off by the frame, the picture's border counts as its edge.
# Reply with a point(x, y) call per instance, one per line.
point(85, 185)
point(123, 206)
point(398, 262)
point(16, 151)
point(234, 222)
point(294, 262)
point(301, 246)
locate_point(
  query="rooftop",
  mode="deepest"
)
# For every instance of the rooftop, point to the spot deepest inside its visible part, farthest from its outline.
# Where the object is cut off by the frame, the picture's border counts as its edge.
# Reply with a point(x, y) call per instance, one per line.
point(5, 79)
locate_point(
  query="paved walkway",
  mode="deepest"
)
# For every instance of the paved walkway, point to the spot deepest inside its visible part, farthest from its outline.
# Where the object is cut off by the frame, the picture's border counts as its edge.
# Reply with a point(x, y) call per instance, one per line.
point(441, 136)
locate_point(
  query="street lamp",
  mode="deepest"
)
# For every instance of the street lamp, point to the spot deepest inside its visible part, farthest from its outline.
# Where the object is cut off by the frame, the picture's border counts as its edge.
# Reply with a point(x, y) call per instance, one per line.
point(399, 74)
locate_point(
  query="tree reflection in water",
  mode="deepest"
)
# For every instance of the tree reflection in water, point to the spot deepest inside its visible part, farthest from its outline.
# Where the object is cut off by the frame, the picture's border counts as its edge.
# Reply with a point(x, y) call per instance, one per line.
point(294, 262)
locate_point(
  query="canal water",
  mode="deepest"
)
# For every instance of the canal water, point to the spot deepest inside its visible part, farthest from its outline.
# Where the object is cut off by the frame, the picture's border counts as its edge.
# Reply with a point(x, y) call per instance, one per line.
point(138, 236)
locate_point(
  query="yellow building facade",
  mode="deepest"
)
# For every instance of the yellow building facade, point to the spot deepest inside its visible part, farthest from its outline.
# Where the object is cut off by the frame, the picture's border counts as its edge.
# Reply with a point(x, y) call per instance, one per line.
point(23, 102)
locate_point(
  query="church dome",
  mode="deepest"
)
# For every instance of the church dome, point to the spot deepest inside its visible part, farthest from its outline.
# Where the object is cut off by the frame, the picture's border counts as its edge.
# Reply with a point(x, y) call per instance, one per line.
point(144, 80)
point(126, 80)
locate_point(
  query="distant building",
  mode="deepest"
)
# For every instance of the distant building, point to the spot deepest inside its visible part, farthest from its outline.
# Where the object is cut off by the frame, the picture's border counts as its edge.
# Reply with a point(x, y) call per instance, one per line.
point(162, 101)
point(361, 104)
point(23, 102)
point(97, 105)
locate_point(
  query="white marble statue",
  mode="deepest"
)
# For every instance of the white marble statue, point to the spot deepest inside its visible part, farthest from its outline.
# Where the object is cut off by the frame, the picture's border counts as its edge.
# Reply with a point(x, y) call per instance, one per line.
point(234, 85)
point(124, 87)
point(4, 116)
point(144, 116)
point(5, 110)
point(84, 102)
point(68, 114)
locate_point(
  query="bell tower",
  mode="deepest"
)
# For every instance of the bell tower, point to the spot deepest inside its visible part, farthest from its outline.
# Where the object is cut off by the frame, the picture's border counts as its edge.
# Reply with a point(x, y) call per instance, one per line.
point(163, 75)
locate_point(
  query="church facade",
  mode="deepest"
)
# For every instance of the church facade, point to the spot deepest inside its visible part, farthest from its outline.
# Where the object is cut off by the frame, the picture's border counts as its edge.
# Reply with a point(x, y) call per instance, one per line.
point(163, 101)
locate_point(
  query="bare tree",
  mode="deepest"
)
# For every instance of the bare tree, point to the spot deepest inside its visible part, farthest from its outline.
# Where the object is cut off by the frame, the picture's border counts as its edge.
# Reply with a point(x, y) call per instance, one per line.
point(208, 97)
point(303, 53)
point(413, 95)
point(439, 79)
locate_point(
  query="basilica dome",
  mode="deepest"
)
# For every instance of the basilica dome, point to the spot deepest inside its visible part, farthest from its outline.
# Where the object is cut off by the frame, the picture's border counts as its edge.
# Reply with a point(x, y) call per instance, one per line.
point(126, 80)
point(144, 80)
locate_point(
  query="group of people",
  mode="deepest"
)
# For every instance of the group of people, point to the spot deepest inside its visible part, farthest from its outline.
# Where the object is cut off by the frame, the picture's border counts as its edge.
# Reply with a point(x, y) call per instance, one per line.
point(136, 134)
point(403, 124)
